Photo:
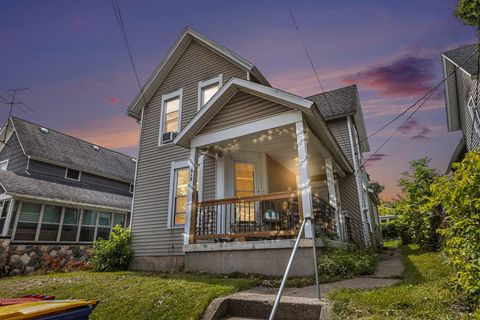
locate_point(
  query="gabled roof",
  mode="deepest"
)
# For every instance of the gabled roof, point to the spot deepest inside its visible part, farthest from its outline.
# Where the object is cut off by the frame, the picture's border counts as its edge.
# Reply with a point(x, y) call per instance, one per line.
point(23, 186)
point(215, 104)
point(229, 90)
point(465, 58)
point(64, 150)
point(164, 67)
point(343, 102)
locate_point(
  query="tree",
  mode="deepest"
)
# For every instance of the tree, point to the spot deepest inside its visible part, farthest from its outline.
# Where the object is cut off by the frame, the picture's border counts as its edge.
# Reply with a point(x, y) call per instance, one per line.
point(376, 187)
point(460, 196)
point(418, 223)
point(469, 12)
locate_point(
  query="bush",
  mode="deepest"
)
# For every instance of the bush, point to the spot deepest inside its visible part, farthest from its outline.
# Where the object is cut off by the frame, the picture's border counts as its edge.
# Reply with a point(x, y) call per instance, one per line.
point(346, 262)
point(389, 230)
point(113, 254)
point(460, 197)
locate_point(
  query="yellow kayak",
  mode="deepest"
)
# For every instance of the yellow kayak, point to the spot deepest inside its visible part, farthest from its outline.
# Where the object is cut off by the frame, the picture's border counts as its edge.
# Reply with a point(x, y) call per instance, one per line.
point(50, 309)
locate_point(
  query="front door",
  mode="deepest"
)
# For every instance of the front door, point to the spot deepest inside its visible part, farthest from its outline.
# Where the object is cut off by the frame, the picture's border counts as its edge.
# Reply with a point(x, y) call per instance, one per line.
point(244, 175)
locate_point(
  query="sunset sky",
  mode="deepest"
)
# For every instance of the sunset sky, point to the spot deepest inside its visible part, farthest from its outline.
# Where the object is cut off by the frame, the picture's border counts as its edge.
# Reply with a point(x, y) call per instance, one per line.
point(71, 56)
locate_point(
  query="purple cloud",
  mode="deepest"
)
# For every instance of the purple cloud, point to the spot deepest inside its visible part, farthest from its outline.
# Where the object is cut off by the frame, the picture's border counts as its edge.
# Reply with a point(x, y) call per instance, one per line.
point(404, 77)
point(412, 126)
point(375, 158)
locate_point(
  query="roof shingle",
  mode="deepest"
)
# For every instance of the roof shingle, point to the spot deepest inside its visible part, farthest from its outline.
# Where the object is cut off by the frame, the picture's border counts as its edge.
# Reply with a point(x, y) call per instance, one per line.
point(460, 55)
point(16, 184)
point(63, 149)
point(343, 101)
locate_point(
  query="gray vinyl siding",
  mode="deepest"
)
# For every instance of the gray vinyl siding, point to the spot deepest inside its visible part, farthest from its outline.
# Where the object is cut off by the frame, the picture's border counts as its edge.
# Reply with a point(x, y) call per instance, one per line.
point(350, 203)
point(243, 108)
point(56, 173)
point(339, 129)
point(209, 177)
point(151, 237)
point(466, 87)
point(279, 178)
point(17, 160)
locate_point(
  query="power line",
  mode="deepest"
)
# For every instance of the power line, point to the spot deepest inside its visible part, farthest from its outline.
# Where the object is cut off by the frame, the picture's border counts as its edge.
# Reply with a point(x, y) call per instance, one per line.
point(420, 99)
point(121, 25)
point(425, 98)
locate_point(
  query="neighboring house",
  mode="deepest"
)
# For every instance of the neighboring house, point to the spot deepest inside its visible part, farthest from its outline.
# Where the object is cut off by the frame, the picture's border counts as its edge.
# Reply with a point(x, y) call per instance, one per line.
point(388, 218)
point(228, 166)
point(462, 98)
point(58, 189)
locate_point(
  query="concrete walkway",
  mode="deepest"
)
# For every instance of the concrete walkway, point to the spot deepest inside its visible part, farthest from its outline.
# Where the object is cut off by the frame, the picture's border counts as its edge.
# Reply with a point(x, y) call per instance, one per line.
point(389, 270)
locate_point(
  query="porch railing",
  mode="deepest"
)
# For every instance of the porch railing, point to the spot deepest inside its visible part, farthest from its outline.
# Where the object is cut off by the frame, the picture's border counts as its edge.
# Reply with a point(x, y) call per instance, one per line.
point(269, 215)
point(324, 218)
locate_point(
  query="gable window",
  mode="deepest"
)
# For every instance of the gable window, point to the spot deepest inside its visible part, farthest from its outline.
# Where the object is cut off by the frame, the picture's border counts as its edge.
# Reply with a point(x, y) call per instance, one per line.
point(72, 174)
point(474, 113)
point(178, 193)
point(207, 89)
point(170, 118)
point(3, 165)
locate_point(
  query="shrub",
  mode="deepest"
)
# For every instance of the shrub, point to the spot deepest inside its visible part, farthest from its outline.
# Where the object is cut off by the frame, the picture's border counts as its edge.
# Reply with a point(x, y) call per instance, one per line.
point(389, 230)
point(346, 262)
point(113, 254)
point(460, 197)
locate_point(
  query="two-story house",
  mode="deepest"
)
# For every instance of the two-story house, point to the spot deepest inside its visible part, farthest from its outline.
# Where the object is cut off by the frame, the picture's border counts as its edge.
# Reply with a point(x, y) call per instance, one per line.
point(460, 67)
point(57, 189)
point(229, 166)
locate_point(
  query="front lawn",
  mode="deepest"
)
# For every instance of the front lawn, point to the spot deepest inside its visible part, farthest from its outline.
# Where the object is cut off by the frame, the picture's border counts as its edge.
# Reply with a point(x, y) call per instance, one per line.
point(130, 295)
point(424, 293)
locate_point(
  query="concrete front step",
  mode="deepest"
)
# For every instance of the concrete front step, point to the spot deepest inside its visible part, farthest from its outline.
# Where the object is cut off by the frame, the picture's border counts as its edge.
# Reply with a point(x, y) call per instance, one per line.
point(258, 306)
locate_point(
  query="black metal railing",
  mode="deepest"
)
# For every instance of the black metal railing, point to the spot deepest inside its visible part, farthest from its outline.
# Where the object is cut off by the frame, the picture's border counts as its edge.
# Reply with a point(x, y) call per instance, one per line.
point(270, 215)
point(324, 219)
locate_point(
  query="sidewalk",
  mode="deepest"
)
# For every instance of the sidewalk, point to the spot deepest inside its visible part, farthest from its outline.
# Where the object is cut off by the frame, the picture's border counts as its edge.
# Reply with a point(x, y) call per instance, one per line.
point(389, 270)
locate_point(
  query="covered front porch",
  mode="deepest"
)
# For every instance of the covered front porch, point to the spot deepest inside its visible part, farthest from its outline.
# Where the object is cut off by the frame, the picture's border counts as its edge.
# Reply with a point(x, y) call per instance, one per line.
point(265, 184)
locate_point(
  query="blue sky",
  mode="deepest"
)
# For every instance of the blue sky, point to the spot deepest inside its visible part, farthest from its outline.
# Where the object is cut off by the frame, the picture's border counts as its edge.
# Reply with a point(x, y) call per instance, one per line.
point(71, 56)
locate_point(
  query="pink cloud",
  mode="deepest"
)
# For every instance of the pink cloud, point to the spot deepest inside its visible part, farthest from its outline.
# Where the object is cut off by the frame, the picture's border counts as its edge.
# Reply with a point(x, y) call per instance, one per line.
point(113, 100)
point(406, 76)
point(412, 126)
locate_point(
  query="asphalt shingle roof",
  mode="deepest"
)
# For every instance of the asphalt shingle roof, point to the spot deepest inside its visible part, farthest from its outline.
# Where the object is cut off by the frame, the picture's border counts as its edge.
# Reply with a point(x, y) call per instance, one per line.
point(63, 149)
point(18, 184)
point(343, 101)
point(460, 55)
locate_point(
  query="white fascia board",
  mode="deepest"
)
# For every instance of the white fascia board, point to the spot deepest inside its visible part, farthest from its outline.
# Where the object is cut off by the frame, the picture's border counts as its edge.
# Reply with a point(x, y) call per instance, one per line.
point(453, 121)
point(253, 88)
point(458, 66)
point(246, 129)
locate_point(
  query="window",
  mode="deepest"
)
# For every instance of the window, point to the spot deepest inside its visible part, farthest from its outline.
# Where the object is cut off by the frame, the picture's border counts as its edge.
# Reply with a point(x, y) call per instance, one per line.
point(170, 119)
point(28, 221)
point(72, 174)
point(474, 113)
point(119, 220)
point(3, 214)
point(207, 89)
point(104, 224)
point(70, 224)
point(87, 230)
point(3, 165)
point(50, 223)
point(178, 193)
point(245, 187)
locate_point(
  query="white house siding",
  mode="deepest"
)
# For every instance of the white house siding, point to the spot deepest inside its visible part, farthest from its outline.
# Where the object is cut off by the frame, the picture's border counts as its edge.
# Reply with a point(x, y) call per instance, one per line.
point(151, 237)
point(466, 87)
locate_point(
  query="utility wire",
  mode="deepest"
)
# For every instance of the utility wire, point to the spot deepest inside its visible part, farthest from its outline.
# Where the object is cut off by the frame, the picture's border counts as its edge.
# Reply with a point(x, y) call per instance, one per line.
point(121, 25)
point(425, 98)
point(420, 99)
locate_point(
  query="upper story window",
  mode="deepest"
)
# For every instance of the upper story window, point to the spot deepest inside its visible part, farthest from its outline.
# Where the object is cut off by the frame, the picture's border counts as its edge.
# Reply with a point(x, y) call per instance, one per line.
point(474, 113)
point(3, 165)
point(72, 174)
point(170, 118)
point(207, 89)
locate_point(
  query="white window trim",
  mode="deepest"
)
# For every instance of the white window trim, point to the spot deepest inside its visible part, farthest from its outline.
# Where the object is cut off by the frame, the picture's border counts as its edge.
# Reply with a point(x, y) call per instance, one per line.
point(174, 166)
point(79, 174)
point(473, 110)
point(166, 97)
point(4, 161)
point(218, 79)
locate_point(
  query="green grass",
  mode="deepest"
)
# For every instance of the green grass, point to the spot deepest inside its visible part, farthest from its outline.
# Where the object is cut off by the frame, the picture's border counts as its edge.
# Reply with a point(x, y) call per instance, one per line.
point(424, 293)
point(391, 243)
point(130, 295)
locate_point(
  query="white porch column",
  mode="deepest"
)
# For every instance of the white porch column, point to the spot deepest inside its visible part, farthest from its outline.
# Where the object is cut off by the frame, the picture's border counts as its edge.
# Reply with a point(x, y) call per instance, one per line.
point(304, 177)
point(332, 193)
point(191, 210)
